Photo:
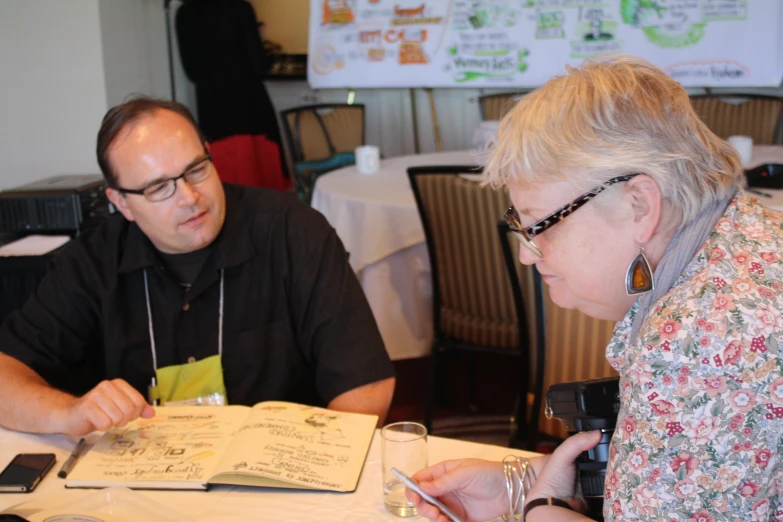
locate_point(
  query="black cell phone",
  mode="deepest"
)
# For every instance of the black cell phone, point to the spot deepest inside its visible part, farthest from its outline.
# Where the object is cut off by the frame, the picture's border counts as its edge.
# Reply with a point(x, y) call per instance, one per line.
point(24, 473)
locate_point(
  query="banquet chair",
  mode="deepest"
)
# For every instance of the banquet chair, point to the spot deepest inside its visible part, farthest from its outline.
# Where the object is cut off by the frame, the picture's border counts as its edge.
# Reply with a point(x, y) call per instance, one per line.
point(757, 116)
point(475, 308)
point(321, 138)
point(495, 106)
point(528, 289)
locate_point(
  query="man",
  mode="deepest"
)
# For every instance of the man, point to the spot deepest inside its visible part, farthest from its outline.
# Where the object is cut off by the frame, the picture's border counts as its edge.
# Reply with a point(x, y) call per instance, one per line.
point(243, 291)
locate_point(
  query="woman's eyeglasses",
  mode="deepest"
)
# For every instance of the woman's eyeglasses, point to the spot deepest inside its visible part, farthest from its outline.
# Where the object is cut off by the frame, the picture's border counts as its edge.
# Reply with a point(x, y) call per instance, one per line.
point(163, 189)
point(526, 234)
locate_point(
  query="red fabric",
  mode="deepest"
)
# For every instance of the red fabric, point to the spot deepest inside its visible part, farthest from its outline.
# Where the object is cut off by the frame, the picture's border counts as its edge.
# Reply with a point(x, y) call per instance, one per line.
point(251, 160)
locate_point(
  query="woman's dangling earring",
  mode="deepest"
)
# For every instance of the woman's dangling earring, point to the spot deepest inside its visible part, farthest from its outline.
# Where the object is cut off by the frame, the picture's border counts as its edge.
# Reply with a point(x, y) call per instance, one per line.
point(639, 277)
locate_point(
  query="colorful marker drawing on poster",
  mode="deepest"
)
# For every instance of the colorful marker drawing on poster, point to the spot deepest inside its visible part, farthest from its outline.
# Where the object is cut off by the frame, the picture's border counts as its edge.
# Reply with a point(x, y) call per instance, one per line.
point(337, 12)
point(406, 29)
point(668, 25)
point(522, 43)
point(595, 33)
point(550, 25)
point(336, 17)
point(679, 23)
point(497, 64)
point(326, 59)
point(482, 48)
point(390, 32)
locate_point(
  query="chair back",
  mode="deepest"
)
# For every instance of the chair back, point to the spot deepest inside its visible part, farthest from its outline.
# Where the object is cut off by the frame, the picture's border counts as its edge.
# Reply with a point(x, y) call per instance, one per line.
point(495, 106)
point(321, 138)
point(757, 116)
point(318, 132)
point(528, 289)
point(473, 300)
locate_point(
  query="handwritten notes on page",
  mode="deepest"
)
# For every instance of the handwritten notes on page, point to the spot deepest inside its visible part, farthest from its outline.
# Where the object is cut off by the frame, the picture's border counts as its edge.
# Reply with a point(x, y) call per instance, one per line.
point(276, 444)
point(178, 448)
point(300, 445)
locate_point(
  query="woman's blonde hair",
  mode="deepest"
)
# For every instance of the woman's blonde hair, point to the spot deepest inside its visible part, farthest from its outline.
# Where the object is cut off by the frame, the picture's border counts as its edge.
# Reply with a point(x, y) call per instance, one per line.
point(610, 117)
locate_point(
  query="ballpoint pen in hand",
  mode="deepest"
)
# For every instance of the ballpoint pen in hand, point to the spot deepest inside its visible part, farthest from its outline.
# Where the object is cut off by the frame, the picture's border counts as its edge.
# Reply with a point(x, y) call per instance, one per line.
point(71, 461)
point(415, 487)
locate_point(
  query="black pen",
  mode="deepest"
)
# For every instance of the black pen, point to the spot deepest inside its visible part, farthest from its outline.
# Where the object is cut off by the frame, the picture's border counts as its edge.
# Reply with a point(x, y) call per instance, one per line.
point(760, 193)
point(71, 461)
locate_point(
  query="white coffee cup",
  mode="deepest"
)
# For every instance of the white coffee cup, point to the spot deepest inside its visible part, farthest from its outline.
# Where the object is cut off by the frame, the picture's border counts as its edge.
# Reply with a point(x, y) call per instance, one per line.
point(368, 159)
point(744, 145)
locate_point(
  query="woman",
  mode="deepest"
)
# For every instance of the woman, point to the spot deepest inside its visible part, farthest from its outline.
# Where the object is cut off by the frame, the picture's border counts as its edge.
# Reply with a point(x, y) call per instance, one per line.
point(617, 144)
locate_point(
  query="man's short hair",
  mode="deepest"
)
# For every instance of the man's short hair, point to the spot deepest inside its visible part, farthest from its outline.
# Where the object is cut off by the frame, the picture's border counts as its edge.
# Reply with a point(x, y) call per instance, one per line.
point(127, 113)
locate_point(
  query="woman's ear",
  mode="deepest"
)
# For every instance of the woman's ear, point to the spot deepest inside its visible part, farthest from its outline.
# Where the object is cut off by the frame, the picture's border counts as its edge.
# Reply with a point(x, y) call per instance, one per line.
point(647, 207)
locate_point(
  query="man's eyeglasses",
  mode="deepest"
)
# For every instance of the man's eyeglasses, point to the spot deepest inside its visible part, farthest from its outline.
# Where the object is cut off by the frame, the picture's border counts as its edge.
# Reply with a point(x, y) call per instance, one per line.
point(160, 190)
point(526, 234)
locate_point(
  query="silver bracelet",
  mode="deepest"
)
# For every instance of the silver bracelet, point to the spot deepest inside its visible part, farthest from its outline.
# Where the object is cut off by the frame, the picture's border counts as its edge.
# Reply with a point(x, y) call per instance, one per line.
point(520, 476)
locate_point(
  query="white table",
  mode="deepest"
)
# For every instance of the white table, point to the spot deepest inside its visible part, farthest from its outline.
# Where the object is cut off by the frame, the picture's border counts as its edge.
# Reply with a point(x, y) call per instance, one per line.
point(240, 504)
point(376, 218)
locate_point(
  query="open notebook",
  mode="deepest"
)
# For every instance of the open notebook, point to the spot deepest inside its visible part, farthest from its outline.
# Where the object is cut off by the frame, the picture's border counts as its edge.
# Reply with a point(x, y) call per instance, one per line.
point(273, 444)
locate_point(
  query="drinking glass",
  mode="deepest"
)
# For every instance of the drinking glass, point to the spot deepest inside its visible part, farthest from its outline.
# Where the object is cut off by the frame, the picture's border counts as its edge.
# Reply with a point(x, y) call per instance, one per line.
point(403, 446)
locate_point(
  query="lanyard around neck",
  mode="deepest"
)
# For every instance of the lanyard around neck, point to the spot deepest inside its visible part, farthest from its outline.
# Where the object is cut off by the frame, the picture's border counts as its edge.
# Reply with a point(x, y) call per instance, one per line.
point(152, 331)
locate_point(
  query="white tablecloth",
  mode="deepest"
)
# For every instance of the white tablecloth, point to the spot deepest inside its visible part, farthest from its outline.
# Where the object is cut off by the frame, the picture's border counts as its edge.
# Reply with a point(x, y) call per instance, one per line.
point(375, 216)
point(226, 504)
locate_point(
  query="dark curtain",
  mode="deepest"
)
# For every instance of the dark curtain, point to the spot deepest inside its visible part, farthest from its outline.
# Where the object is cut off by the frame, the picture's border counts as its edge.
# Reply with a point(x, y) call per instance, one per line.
point(223, 56)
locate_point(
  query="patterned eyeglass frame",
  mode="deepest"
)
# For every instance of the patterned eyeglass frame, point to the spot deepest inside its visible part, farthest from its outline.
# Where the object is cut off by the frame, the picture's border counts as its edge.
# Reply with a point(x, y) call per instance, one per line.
point(526, 234)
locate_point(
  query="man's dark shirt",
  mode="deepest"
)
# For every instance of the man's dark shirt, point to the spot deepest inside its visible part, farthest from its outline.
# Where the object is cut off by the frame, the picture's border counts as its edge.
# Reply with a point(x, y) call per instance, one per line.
point(297, 326)
point(185, 267)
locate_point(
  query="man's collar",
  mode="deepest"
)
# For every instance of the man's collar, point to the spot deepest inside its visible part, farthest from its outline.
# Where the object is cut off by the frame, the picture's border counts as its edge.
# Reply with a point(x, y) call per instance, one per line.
point(138, 252)
point(232, 247)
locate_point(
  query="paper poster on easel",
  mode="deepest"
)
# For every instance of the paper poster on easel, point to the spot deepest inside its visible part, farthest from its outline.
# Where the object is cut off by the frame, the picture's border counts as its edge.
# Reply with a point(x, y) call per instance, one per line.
point(522, 43)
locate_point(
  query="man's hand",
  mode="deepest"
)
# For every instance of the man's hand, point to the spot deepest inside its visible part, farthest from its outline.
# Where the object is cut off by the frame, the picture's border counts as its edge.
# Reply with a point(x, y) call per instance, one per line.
point(31, 404)
point(110, 404)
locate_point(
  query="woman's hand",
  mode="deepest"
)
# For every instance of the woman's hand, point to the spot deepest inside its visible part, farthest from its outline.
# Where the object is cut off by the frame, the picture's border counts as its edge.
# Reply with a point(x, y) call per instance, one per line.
point(475, 490)
point(558, 476)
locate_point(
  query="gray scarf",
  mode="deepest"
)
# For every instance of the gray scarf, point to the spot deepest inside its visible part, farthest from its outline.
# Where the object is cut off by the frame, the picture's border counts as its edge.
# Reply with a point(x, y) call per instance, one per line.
point(678, 254)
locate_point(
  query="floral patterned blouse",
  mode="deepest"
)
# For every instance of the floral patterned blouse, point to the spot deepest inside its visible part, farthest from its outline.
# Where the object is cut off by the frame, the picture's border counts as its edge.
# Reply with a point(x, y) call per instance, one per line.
point(700, 431)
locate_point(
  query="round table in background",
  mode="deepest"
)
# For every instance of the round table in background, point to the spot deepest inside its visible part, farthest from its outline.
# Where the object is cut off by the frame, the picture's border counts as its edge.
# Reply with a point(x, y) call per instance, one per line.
point(376, 218)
